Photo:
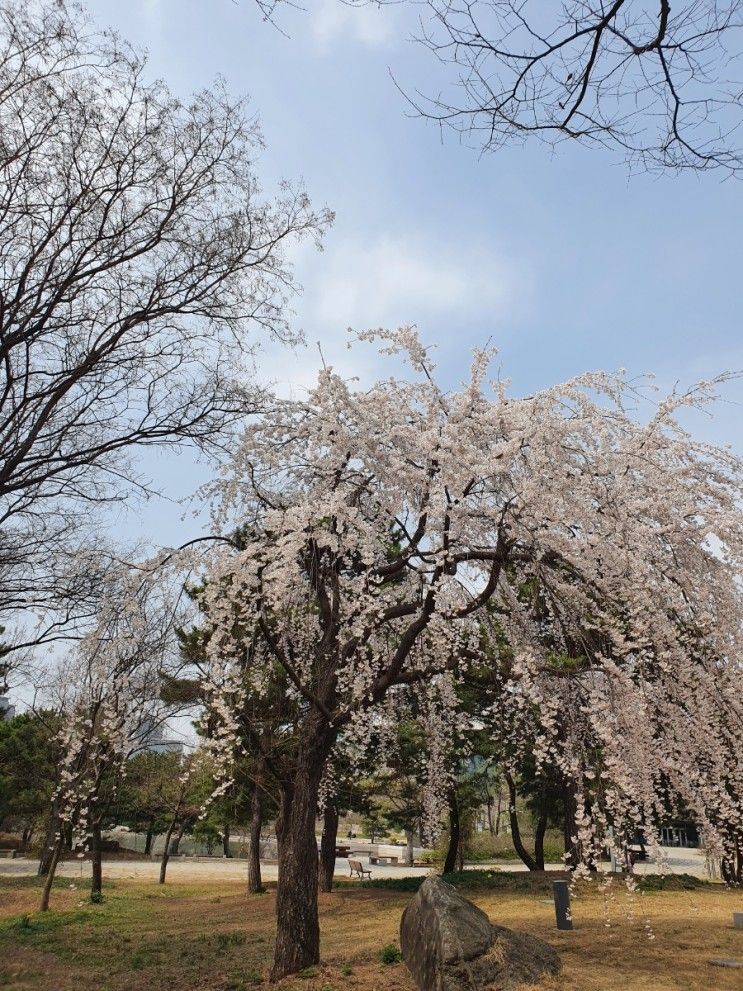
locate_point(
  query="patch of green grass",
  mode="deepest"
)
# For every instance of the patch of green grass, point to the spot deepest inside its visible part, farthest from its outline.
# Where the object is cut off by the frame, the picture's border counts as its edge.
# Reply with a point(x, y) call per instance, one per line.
point(38, 925)
point(25, 881)
point(230, 939)
point(478, 879)
point(521, 882)
point(389, 954)
point(670, 882)
point(138, 960)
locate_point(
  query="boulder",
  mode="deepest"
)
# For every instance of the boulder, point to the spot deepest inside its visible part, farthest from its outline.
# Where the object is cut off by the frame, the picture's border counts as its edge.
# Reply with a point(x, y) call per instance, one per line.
point(449, 944)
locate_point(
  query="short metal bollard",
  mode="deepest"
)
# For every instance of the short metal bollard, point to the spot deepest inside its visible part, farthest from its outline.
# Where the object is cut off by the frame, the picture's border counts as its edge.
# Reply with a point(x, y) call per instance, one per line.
point(562, 904)
point(738, 920)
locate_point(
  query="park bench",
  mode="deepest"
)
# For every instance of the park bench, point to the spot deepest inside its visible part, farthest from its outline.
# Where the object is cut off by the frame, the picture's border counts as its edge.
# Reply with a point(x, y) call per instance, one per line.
point(358, 868)
point(12, 854)
point(376, 858)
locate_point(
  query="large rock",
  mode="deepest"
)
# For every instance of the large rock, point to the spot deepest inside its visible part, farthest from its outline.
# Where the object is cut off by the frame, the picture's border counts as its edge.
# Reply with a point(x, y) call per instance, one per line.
point(449, 944)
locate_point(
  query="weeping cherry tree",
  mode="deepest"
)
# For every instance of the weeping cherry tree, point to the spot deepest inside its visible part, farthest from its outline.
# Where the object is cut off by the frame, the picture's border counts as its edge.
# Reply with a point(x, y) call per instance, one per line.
point(377, 524)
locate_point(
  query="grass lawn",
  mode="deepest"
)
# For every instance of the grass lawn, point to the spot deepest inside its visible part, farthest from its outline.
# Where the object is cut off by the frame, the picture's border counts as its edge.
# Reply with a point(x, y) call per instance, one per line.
point(213, 937)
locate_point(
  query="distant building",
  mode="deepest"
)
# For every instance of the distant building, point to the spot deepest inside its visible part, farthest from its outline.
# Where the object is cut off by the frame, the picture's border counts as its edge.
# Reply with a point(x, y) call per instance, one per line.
point(7, 711)
point(157, 739)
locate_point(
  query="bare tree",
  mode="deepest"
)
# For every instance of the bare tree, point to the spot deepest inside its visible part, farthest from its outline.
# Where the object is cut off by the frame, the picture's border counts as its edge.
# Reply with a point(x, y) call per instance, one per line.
point(136, 250)
point(656, 81)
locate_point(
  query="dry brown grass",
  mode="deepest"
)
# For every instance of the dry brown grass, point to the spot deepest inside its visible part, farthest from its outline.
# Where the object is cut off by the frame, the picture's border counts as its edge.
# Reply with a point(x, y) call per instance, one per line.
point(216, 938)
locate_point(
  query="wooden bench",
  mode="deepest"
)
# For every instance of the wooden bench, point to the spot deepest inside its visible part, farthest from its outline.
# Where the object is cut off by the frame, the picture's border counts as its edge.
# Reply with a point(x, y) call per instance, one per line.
point(358, 868)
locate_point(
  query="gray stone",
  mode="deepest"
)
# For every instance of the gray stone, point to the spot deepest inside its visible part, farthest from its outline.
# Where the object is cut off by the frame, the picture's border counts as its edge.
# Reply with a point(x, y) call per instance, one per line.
point(733, 964)
point(449, 944)
point(738, 920)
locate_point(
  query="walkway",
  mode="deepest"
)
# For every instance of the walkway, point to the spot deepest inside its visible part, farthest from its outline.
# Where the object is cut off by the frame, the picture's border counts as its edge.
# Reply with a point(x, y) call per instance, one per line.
point(186, 869)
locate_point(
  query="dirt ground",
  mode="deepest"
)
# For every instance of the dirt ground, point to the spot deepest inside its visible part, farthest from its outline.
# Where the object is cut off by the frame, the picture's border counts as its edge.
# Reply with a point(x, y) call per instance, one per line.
point(214, 937)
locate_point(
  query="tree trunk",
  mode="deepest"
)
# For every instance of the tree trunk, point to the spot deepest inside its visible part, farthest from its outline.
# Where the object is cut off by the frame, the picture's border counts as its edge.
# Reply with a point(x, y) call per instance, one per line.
point(166, 850)
point(450, 862)
point(255, 883)
point(26, 838)
point(539, 834)
point(96, 885)
point(226, 840)
point(297, 923)
point(149, 837)
point(53, 832)
point(409, 847)
point(51, 871)
point(499, 811)
point(572, 854)
point(176, 843)
point(327, 846)
point(515, 829)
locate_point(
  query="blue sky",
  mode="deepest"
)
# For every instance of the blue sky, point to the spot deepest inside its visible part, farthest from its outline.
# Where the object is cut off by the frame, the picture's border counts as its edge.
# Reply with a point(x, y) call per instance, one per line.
point(563, 260)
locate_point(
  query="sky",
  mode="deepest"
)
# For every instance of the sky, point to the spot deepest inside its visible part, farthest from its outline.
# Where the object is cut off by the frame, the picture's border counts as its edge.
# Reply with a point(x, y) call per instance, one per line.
point(562, 260)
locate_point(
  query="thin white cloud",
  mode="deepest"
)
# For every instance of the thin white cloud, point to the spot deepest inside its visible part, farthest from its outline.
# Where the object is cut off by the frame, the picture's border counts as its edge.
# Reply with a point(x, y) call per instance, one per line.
point(333, 21)
point(394, 281)
point(454, 293)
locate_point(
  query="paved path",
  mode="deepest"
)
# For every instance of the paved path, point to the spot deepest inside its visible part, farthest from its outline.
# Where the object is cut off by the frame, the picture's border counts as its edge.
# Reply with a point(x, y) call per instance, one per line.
point(678, 861)
point(182, 869)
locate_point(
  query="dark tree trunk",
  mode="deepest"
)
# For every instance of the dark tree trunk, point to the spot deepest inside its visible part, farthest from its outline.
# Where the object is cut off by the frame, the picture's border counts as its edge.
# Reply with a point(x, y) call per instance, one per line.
point(53, 832)
point(518, 845)
point(539, 835)
point(297, 922)
point(226, 840)
point(255, 883)
point(726, 871)
point(52, 870)
point(572, 853)
point(327, 846)
point(499, 811)
point(28, 832)
point(731, 864)
point(69, 837)
point(166, 849)
point(149, 837)
point(450, 862)
point(409, 847)
point(96, 885)
point(176, 843)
